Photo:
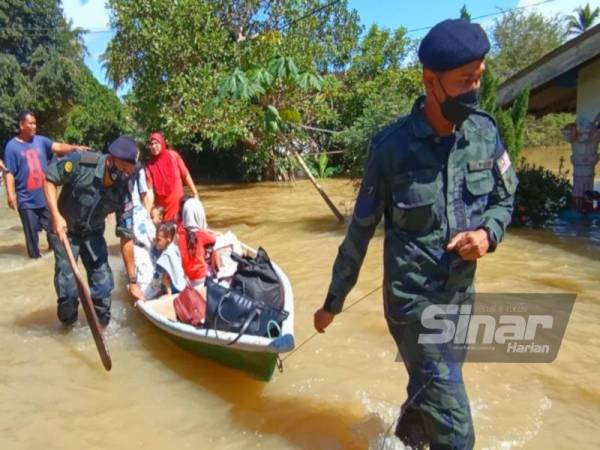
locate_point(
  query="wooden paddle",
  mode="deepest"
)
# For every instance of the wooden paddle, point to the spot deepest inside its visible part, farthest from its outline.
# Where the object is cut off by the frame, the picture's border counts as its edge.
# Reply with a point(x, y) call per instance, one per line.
point(88, 307)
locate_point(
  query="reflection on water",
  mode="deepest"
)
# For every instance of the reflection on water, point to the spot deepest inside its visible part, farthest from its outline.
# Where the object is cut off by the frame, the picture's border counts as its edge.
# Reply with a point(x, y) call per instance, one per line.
point(342, 390)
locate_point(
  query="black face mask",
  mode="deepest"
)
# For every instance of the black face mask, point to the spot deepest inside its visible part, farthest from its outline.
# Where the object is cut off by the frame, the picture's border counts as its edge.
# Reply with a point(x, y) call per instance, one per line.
point(456, 109)
point(117, 176)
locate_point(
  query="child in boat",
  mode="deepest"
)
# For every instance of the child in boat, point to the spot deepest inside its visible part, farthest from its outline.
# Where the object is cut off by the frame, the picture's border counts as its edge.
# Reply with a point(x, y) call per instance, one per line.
point(194, 240)
point(144, 232)
point(169, 277)
point(156, 214)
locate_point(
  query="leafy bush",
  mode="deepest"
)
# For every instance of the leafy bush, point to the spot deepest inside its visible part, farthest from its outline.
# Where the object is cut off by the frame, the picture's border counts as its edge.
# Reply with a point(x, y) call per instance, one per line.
point(320, 166)
point(540, 195)
point(545, 131)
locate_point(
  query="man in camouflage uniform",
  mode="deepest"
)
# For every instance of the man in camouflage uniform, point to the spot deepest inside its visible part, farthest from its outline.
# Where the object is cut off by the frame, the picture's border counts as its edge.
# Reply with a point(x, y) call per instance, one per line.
point(93, 186)
point(444, 183)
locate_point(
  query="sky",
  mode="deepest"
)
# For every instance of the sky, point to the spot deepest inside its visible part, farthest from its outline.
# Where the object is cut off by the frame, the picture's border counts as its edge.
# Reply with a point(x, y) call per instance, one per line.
point(412, 14)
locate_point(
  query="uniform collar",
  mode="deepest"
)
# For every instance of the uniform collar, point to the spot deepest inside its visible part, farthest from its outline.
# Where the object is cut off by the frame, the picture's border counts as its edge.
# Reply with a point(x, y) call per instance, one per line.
point(420, 127)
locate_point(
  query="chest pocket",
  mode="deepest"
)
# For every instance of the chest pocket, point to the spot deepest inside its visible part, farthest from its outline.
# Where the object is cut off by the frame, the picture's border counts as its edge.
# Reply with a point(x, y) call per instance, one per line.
point(85, 203)
point(479, 185)
point(85, 197)
point(414, 197)
point(480, 182)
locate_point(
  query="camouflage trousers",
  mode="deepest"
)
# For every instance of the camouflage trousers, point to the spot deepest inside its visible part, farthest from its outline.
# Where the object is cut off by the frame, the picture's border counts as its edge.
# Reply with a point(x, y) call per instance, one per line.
point(437, 410)
point(94, 254)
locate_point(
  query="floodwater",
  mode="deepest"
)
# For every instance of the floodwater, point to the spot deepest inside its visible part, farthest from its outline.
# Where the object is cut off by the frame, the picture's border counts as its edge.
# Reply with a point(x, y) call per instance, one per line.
point(341, 390)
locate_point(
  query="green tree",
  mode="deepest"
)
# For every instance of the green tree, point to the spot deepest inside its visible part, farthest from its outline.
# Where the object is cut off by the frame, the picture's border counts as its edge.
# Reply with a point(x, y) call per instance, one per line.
point(511, 122)
point(521, 38)
point(464, 13)
point(40, 64)
point(377, 88)
point(98, 119)
point(581, 20)
point(179, 54)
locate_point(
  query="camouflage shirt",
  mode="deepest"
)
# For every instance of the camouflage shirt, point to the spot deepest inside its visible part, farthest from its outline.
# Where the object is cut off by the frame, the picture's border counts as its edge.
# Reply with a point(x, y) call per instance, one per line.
point(428, 188)
point(84, 202)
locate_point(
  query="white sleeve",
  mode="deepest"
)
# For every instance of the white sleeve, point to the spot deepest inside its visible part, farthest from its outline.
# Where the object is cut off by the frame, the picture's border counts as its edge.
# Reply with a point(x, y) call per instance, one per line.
point(142, 185)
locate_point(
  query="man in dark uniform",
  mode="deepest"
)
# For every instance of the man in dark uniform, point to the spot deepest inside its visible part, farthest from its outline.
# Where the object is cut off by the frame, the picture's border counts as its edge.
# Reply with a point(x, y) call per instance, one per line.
point(94, 186)
point(445, 185)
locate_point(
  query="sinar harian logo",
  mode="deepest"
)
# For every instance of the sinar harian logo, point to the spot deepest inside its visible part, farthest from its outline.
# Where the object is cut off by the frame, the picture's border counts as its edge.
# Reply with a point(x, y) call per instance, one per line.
point(458, 325)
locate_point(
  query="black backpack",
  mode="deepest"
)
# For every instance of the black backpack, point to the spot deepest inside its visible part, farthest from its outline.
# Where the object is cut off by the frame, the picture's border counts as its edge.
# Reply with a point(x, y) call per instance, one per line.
point(256, 278)
point(230, 310)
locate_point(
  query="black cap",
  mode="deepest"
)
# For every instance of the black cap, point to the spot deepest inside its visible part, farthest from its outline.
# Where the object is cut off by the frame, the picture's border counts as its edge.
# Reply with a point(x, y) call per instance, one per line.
point(453, 43)
point(125, 148)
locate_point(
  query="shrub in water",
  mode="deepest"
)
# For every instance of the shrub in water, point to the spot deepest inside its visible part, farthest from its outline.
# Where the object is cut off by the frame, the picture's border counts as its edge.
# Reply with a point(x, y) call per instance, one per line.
point(540, 195)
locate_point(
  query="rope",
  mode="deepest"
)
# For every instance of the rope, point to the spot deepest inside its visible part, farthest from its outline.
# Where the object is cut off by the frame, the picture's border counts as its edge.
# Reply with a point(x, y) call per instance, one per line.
point(316, 332)
point(403, 410)
point(404, 407)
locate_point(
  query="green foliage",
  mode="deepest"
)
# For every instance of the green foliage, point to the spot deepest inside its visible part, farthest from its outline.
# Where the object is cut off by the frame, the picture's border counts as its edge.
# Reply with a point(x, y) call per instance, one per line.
point(376, 89)
point(511, 123)
point(379, 51)
point(582, 20)
point(379, 110)
point(41, 61)
point(521, 38)
point(507, 130)
point(518, 114)
point(320, 166)
point(545, 131)
point(98, 119)
point(540, 195)
point(204, 71)
point(464, 13)
point(238, 86)
point(283, 68)
point(42, 69)
point(489, 91)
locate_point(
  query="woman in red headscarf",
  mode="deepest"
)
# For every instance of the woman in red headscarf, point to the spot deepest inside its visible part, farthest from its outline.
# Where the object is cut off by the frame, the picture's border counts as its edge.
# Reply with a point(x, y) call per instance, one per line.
point(166, 173)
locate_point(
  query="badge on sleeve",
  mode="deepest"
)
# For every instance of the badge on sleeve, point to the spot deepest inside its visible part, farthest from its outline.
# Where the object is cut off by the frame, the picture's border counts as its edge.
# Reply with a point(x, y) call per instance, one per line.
point(503, 163)
point(68, 167)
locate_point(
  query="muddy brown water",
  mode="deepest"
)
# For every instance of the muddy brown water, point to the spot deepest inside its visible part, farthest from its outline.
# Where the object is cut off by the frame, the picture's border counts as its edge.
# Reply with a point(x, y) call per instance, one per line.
point(339, 391)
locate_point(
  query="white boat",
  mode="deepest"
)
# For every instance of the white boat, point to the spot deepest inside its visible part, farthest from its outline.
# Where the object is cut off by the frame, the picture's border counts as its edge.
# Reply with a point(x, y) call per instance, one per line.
point(256, 355)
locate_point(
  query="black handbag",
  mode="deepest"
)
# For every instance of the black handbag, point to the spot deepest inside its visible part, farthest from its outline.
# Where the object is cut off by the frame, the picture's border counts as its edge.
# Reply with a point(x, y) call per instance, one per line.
point(257, 278)
point(234, 311)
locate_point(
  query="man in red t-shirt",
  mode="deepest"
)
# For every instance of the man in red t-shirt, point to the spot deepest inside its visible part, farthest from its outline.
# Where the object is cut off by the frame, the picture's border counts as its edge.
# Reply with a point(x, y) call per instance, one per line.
point(166, 173)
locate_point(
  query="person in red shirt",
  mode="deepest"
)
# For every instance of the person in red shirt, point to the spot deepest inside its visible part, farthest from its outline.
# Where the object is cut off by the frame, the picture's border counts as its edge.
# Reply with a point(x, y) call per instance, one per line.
point(166, 173)
point(193, 240)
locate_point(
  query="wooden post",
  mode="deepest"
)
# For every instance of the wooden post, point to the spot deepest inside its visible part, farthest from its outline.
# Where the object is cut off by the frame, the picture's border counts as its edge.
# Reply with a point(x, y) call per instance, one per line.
point(338, 214)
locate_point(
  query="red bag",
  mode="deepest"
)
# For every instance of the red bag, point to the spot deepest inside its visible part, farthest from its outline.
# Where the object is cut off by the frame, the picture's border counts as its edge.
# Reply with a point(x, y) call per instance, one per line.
point(190, 307)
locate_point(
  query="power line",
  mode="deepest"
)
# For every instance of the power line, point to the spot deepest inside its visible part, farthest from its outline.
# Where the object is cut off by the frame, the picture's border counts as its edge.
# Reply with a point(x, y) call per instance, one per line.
point(286, 26)
point(313, 12)
point(497, 13)
point(83, 30)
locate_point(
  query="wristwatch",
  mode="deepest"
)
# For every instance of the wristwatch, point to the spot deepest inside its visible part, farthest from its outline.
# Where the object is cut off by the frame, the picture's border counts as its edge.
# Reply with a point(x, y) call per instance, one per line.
point(133, 279)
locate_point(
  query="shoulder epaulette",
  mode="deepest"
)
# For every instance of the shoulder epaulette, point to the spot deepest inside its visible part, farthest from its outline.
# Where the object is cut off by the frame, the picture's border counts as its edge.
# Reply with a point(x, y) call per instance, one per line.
point(89, 158)
point(385, 132)
point(486, 115)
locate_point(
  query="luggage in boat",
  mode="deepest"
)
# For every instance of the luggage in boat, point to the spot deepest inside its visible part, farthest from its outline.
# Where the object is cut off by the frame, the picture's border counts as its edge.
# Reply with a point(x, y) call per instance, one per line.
point(231, 310)
point(256, 278)
point(256, 355)
point(190, 307)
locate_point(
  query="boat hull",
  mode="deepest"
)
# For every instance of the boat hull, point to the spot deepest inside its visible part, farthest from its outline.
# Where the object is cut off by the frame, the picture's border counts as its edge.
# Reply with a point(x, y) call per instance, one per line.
point(259, 365)
point(255, 355)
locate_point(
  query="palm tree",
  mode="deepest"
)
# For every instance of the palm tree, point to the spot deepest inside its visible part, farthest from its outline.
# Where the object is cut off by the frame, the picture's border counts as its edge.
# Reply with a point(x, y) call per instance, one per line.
point(582, 19)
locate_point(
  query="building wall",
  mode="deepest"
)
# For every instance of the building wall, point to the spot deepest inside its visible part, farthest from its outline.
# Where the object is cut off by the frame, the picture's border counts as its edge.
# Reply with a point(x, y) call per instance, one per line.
point(588, 92)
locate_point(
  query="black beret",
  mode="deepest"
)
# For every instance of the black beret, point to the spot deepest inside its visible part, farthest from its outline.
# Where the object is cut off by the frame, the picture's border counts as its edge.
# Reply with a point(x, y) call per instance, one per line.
point(124, 148)
point(453, 43)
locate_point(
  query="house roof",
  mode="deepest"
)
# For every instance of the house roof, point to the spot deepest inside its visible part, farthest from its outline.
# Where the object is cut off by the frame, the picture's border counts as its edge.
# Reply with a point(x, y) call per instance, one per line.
point(553, 78)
